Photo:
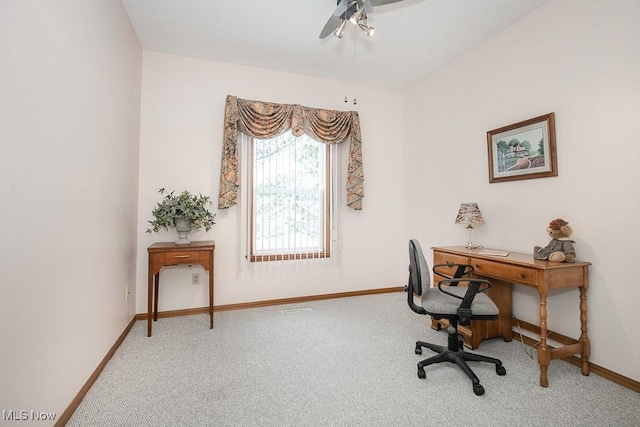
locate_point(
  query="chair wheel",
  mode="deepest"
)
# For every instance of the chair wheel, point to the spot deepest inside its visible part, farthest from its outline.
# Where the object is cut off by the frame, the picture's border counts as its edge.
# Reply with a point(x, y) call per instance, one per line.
point(418, 349)
point(478, 389)
point(421, 373)
point(500, 370)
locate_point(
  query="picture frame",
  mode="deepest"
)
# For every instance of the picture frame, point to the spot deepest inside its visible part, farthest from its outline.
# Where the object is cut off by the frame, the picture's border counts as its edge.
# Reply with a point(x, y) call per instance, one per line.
point(523, 150)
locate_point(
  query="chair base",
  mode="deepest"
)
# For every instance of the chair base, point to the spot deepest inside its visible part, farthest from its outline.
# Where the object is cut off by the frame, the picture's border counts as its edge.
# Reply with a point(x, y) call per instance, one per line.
point(455, 353)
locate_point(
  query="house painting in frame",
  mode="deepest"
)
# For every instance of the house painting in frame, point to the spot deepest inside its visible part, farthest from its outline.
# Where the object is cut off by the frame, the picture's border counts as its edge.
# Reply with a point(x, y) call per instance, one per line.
point(523, 150)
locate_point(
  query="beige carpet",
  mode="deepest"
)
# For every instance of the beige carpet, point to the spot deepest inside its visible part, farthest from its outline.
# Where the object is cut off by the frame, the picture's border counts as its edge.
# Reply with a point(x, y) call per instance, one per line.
point(343, 362)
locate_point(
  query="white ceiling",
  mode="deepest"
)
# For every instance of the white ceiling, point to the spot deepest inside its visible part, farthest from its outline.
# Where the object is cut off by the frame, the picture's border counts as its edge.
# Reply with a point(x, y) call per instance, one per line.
point(412, 37)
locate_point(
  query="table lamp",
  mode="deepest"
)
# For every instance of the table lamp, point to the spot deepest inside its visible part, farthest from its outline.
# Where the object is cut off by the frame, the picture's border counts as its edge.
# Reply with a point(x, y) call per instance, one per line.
point(470, 214)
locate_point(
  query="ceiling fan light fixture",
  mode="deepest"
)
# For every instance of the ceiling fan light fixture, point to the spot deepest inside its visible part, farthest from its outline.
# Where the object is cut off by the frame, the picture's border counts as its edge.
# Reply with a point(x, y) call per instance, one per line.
point(339, 32)
point(357, 17)
point(367, 29)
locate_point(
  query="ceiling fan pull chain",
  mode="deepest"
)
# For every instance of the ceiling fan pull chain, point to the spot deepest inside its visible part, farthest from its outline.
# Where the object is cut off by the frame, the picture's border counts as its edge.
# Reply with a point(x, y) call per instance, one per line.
point(346, 73)
point(354, 69)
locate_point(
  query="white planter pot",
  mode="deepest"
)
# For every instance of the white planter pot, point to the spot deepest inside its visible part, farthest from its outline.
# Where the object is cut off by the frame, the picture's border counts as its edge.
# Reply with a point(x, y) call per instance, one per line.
point(183, 227)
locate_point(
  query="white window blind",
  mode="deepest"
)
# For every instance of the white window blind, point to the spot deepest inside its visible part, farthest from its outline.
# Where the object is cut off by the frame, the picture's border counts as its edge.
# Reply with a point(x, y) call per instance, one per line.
point(290, 198)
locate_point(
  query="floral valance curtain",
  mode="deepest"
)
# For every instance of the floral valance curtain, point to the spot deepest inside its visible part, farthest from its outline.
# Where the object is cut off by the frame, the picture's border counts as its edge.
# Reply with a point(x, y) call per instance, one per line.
point(266, 120)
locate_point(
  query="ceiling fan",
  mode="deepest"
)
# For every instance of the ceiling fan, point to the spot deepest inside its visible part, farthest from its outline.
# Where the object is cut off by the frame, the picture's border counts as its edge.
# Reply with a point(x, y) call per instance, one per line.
point(354, 11)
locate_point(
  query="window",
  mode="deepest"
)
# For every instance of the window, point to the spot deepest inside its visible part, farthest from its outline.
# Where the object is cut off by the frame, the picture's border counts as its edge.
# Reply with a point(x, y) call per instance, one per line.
point(289, 199)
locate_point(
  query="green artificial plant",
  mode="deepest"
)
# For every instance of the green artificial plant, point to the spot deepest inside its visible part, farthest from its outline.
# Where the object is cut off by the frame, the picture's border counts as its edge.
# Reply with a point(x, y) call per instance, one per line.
point(184, 205)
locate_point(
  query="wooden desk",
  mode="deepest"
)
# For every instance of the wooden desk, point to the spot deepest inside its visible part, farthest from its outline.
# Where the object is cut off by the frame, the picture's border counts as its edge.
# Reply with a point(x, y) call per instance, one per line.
point(522, 269)
point(166, 254)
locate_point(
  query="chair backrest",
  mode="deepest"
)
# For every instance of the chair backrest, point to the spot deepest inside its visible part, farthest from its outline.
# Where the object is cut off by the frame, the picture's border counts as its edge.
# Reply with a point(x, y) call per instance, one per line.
point(419, 275)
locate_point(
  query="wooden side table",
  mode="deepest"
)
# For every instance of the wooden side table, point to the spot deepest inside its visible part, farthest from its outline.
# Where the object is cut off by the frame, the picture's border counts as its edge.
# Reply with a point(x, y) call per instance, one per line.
point(165, 254)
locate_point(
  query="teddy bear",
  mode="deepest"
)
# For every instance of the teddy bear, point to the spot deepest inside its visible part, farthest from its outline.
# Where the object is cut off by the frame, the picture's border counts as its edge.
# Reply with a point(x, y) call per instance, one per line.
point(560, 248)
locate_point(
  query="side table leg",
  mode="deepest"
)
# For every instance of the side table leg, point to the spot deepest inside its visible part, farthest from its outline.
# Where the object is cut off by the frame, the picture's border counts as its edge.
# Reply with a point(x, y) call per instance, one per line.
point(149, 300)
point(544, 356)
point(211, 295)
point(156, 293)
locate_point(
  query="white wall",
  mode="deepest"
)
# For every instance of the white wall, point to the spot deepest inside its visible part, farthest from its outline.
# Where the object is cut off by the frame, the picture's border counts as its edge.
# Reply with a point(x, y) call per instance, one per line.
point(183, 101)
point(581, 60)
point(69, 132)
point(69, 124)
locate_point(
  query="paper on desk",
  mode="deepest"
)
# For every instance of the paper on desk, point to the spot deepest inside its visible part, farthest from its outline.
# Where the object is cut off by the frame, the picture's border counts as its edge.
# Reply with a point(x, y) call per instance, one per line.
point(492, 252)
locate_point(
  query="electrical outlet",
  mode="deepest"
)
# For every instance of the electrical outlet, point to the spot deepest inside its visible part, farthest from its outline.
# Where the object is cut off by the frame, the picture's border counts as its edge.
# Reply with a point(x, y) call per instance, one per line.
point(195, 278)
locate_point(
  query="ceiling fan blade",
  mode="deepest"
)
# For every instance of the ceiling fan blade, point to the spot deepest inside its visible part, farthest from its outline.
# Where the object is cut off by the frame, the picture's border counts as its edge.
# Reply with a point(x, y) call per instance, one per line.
point(332, 24)
point(344, 5)
point(382, 2)
point(342, 8)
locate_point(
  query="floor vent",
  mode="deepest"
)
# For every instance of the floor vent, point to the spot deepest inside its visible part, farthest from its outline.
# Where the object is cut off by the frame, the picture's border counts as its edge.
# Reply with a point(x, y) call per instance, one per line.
point(295, 310)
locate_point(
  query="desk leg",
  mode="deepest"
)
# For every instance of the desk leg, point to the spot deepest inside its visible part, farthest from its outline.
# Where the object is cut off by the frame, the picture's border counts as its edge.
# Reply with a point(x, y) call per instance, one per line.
point(544, 356)
point(501, 294)
point(584, 339)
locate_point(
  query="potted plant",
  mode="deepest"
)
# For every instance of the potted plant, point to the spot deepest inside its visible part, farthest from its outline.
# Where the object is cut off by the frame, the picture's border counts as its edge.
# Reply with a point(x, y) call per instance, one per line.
point(184, 211)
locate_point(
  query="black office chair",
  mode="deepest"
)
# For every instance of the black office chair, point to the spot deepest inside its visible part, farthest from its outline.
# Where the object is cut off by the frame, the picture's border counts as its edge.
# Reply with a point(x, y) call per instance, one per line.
point(458, 304)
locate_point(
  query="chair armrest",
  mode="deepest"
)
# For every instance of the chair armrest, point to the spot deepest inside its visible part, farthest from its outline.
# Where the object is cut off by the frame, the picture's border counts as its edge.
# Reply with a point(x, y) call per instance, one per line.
point(461, 270)
point(474, 288)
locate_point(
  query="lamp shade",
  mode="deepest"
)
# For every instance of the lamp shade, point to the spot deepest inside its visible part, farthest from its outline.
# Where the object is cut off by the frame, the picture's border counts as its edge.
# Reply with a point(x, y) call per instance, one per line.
point(469, 213)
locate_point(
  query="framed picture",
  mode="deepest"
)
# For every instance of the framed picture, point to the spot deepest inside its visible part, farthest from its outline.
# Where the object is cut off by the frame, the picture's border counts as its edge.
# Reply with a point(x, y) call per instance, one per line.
point(523, 150)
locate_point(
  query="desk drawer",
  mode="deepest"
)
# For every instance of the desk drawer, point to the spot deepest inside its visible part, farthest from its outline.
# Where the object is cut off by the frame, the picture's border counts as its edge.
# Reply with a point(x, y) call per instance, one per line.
point(499, 270)
point(444, 258)
point(182, 257)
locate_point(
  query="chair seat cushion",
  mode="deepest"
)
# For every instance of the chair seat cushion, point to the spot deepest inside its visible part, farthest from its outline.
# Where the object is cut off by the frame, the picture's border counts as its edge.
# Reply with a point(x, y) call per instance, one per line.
point(437, 303)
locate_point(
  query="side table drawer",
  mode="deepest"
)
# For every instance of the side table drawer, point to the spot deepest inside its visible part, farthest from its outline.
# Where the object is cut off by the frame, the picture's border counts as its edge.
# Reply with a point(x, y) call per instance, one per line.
point(182, 257)
point(507, 272)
